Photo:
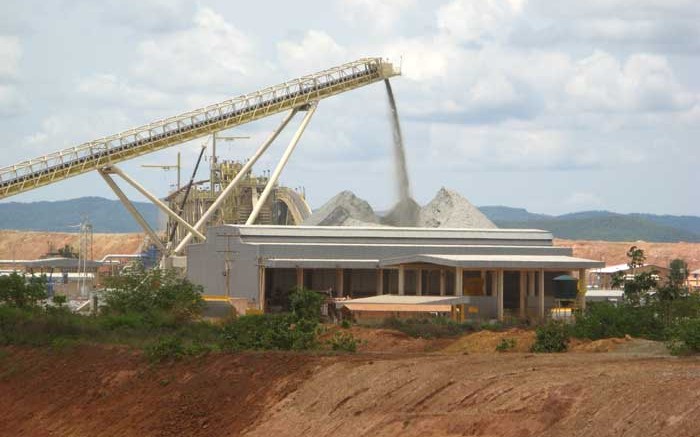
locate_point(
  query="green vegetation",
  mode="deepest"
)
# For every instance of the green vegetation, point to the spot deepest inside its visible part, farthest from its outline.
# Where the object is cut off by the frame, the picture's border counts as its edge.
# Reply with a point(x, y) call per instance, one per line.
point(343, 342)
point(551, 337)
point(157, 311)
point(506, 344)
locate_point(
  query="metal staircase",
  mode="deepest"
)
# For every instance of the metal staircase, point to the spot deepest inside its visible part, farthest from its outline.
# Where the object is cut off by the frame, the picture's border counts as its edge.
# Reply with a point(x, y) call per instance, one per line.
point(158, 135)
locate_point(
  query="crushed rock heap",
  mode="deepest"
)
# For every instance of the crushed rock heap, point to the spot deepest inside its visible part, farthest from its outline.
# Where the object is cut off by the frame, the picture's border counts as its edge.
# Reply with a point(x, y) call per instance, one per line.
point(344, 209)
point(448, 209)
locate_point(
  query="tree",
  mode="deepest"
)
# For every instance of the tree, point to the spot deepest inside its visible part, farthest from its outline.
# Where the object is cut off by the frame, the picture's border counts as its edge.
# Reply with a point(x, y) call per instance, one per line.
point(637, 287)
point(22, 292)
point(676, 284)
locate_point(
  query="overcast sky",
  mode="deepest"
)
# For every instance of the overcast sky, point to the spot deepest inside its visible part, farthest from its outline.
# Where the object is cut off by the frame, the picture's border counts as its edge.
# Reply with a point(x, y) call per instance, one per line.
point(555, 106)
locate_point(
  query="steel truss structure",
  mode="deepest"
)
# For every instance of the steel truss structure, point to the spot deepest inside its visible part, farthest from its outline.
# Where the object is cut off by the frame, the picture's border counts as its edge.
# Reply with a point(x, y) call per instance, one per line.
point(302, 94)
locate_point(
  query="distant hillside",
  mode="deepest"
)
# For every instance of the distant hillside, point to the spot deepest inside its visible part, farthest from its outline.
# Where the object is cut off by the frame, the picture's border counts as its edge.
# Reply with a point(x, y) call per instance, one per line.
point(600, 225)
point(111, 216)
point(63, 215)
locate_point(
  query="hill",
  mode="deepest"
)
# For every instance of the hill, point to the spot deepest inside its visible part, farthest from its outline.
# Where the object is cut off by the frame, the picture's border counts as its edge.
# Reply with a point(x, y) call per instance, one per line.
point(63, 215)
point(600, 225)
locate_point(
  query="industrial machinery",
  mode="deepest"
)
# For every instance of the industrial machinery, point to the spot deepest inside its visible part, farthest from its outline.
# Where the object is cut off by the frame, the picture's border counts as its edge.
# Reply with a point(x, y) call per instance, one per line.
point(300, 95)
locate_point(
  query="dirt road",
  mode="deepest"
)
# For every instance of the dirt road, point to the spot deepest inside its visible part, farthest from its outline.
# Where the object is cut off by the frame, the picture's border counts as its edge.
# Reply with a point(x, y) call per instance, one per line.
point(95, 391)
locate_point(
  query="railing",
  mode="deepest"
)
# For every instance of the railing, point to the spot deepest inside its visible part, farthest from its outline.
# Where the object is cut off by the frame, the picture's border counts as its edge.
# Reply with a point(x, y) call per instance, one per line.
point(165, 133)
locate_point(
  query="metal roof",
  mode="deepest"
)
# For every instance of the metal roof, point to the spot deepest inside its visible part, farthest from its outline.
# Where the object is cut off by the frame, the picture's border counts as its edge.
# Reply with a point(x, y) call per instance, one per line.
point(52, 262)
point(382, 232)
point(394, 299)
point(319, 263)
point(496, 261)
point(421, 308)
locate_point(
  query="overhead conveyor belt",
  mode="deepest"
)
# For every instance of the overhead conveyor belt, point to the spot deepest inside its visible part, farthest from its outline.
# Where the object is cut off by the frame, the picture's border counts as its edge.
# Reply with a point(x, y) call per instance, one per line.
point(159, 135)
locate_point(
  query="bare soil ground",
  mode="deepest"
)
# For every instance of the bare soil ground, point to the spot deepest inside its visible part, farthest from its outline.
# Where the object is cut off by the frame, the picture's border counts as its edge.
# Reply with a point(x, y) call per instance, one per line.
point(625, 390)
point(613, 252)
point(32, 245)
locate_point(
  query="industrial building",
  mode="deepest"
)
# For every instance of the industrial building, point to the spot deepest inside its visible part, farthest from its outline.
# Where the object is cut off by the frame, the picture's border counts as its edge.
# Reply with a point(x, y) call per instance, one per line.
point(499, 271)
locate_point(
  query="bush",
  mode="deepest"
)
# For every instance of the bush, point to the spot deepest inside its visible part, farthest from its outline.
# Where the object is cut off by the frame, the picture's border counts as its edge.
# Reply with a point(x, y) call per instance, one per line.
point(685, 338)
point(506, 344)
point(306, 304)
point(151, 292)
point(169, 348)
point(605, 320)
point(21, 292)
point(551, 337)
point(269, 332)
point(343, 341)
point(38, 327)
point(436, 327)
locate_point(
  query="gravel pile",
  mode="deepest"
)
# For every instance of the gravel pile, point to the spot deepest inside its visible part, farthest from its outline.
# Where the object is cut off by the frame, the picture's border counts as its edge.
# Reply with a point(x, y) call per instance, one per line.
point(449, 209)
point(341, 209)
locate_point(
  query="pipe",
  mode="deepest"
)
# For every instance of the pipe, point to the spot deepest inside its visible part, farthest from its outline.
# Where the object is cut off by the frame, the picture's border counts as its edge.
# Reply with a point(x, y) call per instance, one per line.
point(187, 192)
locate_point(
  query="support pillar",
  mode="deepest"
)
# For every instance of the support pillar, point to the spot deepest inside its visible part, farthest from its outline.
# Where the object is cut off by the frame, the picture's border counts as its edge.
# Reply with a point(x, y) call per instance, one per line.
point(499, 280)
point(459, 281)
point(582, 288)
point(494, 283)
point(339, 283)
point(443, 281)
point(419, 282)
point(540, 295)
point(483, 282)
point(261, 287)
point(280, 166)
point(531, 283)
point(380, 282)
point(523, 294)
point(402, 280)
point(300, 277)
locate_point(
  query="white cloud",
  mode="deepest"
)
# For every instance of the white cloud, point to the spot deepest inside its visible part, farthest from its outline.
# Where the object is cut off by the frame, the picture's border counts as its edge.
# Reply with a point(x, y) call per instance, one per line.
point(643, 83)
point(378, 15)
point(149, 15)
point(10, 54)
point(212, 53)
point(316, 51)
point(12, 102)
point(109, 88)
point(471, 20)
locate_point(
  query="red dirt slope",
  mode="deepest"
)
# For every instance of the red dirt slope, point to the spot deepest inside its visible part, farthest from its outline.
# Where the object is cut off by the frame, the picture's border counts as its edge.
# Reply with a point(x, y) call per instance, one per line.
point(90, 391)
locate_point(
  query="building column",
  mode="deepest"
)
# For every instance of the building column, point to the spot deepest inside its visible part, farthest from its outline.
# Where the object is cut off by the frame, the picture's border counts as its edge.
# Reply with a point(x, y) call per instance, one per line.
point(523, 293)
point(443, 281)
point(402, 280)
point(300, 277)
point(483, 282)
point(459, 276)
point(494, 283)
point(499, 280)
point(582, 288)
point(419, 282)
point(339, 282)
point(540, 295)
point(261, 287)
point(531, 283)
point(380, 282)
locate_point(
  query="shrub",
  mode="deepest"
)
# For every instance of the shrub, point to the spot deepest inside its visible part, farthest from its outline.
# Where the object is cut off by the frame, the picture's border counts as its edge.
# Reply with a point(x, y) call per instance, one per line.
point(605, 320)
point(151, 292)
point(306, 304)
point(343, 341)
point(685, 338)
point(269, 331)
point(20, 291)
point(168, 348)
point(551, 337)
point(506, 344)
point(345, 324)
